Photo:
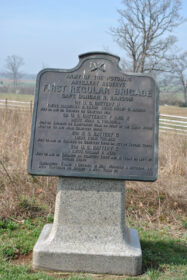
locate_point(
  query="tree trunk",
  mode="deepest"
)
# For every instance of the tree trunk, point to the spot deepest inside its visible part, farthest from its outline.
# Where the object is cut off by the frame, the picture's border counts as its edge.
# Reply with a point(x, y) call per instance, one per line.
point(185, 96)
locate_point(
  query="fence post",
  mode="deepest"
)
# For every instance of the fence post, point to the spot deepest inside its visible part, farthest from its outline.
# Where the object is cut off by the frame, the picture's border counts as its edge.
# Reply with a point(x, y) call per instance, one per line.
point(6, 103)
point(31, 106)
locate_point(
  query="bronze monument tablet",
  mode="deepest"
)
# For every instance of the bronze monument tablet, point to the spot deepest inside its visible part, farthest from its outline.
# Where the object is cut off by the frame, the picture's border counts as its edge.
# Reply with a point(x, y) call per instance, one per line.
point(95, 121)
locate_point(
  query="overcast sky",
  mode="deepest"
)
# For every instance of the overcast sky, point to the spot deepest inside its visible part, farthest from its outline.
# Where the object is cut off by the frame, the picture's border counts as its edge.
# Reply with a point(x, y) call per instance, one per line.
point(52, 33)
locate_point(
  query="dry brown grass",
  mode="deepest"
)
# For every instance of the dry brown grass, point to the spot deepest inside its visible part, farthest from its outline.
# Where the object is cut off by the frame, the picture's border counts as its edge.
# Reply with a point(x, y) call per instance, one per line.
point(164, 200)
point(21, 195)
point(173, 110)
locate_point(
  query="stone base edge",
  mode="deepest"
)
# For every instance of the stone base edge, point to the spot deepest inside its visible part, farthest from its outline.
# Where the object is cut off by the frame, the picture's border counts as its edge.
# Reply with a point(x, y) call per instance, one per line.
point(50, 259)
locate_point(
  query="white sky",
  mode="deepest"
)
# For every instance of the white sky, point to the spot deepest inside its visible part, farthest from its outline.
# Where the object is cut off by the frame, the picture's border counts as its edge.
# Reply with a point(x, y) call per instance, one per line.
point(54, 32)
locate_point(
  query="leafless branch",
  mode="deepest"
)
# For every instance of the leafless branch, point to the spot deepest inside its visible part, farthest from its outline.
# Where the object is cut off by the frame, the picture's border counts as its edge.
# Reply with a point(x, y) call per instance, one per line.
point(144, 28)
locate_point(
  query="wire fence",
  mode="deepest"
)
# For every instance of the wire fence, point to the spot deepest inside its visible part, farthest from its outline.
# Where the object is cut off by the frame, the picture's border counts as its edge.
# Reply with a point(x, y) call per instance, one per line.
point(167, 123)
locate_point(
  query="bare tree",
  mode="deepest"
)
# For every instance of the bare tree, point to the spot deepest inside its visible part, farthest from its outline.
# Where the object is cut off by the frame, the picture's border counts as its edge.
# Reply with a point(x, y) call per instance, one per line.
point(178, 68)
point(143, 32)
point(13, 64)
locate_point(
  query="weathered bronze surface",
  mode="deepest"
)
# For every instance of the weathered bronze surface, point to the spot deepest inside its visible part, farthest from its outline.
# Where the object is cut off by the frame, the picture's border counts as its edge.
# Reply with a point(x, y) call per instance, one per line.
point(95, 121)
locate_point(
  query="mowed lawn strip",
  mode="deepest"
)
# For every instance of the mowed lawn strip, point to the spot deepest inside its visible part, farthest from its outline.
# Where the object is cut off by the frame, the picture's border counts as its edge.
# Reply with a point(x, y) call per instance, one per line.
point(163, 256)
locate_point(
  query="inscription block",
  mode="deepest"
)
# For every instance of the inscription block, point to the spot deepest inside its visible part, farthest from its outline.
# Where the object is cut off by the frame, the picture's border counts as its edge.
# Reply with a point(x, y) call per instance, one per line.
point(95, 121)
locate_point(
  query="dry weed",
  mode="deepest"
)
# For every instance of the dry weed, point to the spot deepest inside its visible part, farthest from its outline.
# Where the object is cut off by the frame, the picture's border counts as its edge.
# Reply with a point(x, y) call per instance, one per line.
point(20, 193)
point(163, 201)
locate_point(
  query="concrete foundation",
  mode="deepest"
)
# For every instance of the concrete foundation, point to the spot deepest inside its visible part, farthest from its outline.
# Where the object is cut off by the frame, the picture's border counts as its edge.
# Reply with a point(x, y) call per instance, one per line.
point(89, 232)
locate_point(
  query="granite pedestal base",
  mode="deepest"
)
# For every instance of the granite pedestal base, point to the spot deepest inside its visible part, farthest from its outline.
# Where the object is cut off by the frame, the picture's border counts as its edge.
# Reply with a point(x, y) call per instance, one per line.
point(89, 232)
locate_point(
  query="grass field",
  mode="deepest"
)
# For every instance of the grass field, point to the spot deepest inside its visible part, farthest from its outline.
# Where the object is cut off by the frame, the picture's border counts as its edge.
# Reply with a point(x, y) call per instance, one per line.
point(17, 97)
point(22, 82)
point(173, 110)
point(157, 210)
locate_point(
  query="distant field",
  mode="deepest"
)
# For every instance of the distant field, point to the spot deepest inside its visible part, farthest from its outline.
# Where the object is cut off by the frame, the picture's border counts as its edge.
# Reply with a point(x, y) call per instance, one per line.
point(173, 110)
point(25, 83)
point(17, 97)
point(170, 110)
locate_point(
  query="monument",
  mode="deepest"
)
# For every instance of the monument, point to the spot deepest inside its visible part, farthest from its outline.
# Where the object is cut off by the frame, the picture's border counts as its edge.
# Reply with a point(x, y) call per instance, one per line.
point(93, 127)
